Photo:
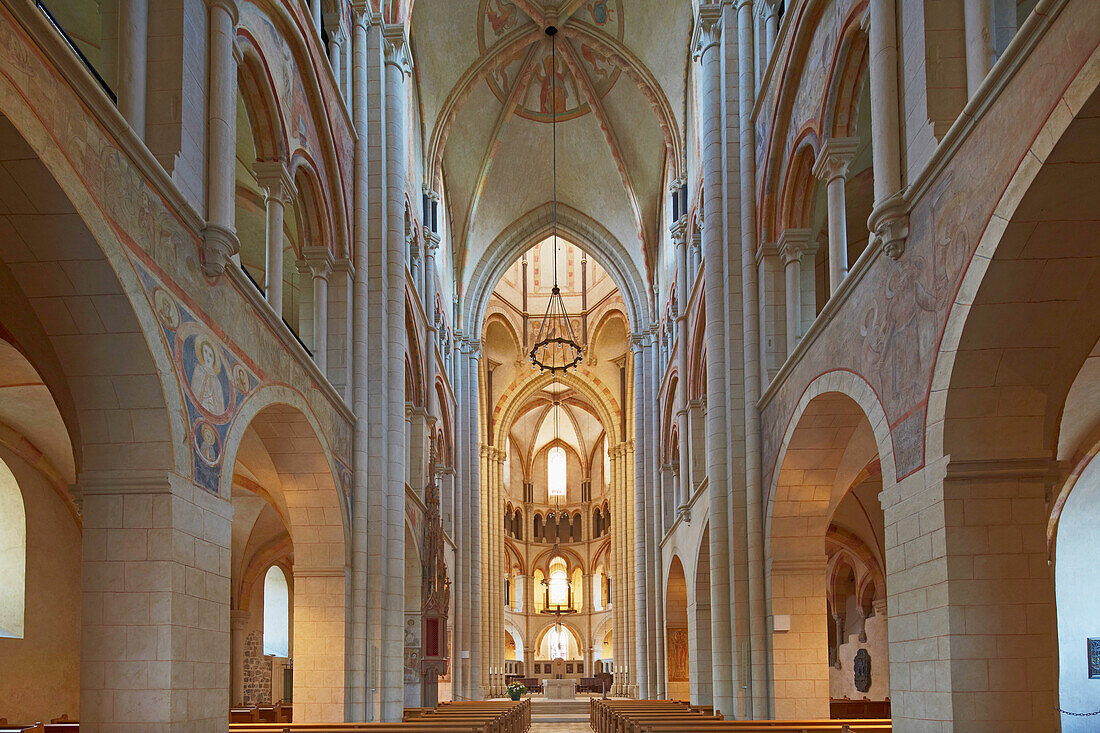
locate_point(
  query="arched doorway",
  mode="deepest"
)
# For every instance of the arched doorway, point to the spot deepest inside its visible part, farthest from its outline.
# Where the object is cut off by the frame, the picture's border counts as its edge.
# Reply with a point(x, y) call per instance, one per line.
point(822, 510)
point(275, 451)
point(677, 656)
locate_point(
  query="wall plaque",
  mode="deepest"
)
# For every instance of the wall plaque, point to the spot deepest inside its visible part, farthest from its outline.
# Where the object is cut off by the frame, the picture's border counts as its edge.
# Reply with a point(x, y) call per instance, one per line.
point(1094, 658)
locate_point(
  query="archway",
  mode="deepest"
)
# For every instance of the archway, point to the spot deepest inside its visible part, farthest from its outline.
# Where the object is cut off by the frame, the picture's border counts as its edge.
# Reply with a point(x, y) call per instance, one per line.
point(701, 681)
point(274, 443)
point(829, 452)
point(997, 413)
point(677, 656)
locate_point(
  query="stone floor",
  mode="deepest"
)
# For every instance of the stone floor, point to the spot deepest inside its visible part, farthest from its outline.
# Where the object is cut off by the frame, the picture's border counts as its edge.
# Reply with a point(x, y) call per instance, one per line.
point(560, 728)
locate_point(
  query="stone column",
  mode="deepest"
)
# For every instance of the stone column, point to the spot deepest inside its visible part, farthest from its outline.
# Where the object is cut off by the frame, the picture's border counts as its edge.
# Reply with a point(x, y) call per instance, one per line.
point(656, 589)
point(794, 245)
point(397, 69)
point(520, 593)
point(431, 246)
point(360, 509)
point(155, 554)
point(889, 218)
point(320, 266)
point(643, 509)
point(708, 52)
point(133, 43)
point(773, 332)
point(473, 416)
point(315, 14)
point(977, 19)
point(832, 167)
point(220, 241)
point(278, 188)
point(771, 27)
point(238, 622)
point(336, 39)
point(460, 607)
point(305, 303)
point(682, 285)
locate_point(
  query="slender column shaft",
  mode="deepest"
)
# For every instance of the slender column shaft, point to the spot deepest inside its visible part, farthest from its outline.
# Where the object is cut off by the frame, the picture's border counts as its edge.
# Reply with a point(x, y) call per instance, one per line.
point(336, 56)
point(832, 167)
point(273, 276)
point(682, 356)
point(473, 380)
point(315, 12)
point(882, 42)
point(642, 570)
point(710, 79)
point(655, 609)
point(460, 607)
point(357, 646)
point(432, 245)
point(771, 29)
point(792, 270)
point(320, 318)
point(977, 17)
point(756, 700)
point(220, 234)
point(393, 650)
point(133, 27)
point(838, 233)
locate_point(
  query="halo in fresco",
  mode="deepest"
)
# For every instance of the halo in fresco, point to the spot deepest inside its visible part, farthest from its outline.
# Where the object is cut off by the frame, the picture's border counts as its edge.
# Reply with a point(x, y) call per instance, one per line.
point(498, 18)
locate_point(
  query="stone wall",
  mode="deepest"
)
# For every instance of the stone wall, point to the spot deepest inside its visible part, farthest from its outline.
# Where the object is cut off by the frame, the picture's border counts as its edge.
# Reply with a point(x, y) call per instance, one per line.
point(257, 671)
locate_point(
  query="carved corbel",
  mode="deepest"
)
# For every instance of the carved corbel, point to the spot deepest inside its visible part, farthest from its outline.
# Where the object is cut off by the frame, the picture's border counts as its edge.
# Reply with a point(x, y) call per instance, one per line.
point(889, 222)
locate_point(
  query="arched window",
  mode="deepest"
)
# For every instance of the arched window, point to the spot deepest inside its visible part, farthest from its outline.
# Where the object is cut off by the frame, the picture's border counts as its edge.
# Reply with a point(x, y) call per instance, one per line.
point(559, 583)
point(539, 601)
point(13, 556)
point(578, 590)
point(519, 525)
point(558, 642)
point(555, 472)
point(276, 613)
point(538, 527)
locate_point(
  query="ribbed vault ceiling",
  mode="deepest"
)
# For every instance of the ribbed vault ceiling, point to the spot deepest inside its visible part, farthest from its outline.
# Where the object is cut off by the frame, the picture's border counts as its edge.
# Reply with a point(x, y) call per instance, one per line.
point(484, 74)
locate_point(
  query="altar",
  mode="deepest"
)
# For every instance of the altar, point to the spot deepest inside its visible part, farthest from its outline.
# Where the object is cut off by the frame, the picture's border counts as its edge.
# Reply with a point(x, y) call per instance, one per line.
point(559, 689)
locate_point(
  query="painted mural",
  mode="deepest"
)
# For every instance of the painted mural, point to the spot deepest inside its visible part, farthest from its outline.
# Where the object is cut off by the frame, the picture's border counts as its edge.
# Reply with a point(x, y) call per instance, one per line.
point(678, 655)
point(214, 380)
point(543, 97)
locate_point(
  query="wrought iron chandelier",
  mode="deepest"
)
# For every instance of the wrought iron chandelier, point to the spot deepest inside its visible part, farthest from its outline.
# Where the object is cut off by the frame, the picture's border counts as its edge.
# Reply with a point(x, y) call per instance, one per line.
point(556, 347)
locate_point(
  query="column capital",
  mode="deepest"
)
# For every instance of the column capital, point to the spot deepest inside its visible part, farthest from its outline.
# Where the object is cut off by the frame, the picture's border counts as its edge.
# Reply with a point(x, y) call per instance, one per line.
point(890, 223)
point(794, 243)
point(834, 157)
point(678, 231)
point(396, 47)
point(431, 244)
point(319, 260)
point(637, 342)
point(229, 6)
point(274, 177)
point(708, 29)
point(335, 26)
point(765, 251)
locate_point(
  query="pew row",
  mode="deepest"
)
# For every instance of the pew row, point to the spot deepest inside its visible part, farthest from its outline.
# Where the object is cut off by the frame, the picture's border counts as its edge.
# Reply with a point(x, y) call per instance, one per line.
point(455, 717)
point(667, 716)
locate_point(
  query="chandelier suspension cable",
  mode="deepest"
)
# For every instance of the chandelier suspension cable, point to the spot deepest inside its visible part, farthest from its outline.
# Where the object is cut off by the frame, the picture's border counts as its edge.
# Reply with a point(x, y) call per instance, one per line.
point(556, 347)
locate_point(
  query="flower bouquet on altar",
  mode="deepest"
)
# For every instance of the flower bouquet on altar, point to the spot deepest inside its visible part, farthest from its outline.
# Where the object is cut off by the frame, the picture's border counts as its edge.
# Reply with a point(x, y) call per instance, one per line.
point(516, 689)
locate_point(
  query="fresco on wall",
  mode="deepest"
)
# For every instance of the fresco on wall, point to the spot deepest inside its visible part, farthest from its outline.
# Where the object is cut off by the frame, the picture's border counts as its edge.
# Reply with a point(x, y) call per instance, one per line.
point(500, 18)
point(213, 380)
point(678, 655)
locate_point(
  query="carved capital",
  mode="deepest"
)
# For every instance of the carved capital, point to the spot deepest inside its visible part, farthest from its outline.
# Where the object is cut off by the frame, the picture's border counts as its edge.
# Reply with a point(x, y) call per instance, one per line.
point(319, 260)
point(708, 29)
point(678, 230)
point(396, 47)
point(794, 244)
point(275, 180)
point(889, 221)
point(834, 157)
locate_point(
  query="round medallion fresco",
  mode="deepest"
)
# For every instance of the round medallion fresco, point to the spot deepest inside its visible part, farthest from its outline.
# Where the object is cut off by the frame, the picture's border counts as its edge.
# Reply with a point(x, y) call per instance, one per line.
point(498, 18)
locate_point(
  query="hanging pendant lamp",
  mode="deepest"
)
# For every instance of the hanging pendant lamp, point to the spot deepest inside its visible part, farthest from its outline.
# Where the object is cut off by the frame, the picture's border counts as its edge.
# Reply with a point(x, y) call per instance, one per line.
point(556, 347)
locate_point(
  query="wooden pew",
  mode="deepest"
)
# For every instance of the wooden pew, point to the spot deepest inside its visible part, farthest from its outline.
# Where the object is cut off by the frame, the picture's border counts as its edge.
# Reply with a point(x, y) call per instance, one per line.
point(665, 716)
point(457, 717)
